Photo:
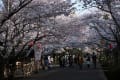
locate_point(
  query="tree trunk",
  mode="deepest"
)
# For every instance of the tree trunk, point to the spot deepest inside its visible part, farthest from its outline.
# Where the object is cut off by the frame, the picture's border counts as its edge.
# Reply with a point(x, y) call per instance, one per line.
point(11, 73)
point(2, 64)
point(116, 55)
point(11, 67)
point(118, 52)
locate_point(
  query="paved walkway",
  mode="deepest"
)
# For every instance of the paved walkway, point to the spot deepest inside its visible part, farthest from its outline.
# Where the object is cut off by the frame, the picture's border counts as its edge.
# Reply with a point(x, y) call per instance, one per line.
point(73, 73)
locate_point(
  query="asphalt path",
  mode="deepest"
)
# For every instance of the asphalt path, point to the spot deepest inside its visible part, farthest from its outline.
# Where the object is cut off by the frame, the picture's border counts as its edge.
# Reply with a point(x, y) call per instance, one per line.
point(73, 73)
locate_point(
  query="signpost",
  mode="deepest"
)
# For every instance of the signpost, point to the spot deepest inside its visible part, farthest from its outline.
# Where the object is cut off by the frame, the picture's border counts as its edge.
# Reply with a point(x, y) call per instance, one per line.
point(38, 51)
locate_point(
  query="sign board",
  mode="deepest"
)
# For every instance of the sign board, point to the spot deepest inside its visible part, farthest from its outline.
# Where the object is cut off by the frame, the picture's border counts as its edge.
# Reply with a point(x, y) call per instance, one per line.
point(38, 51)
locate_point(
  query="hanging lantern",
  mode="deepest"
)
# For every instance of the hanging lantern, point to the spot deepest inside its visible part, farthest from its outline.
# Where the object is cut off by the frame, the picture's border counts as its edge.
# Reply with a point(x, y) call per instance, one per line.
point(110, 46)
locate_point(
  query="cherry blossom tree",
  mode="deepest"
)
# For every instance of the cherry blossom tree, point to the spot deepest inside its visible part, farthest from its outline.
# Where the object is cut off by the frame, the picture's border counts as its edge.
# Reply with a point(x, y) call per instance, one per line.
point(23, 21)
point(108, 27)
point(8, 10)
point(111, 10)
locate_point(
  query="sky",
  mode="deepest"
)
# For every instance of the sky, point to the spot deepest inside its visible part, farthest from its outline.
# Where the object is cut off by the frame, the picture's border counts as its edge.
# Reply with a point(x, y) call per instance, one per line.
point(80, 10)
point(0, 4)
point(78, 6)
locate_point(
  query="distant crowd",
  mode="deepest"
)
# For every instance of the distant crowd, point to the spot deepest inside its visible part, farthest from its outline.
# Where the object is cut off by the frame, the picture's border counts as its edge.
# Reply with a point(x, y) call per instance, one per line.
point(79, 60)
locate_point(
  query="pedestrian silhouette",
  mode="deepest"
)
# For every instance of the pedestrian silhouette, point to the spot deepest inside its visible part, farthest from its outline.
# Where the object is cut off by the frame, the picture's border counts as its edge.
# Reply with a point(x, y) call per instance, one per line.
point(88, 61)
point(94, 59)
point(70, 61)
point(80, 62)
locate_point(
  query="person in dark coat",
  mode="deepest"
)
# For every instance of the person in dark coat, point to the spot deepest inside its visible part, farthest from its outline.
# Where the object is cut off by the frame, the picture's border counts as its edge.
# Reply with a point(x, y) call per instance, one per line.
point(70, 61)
point(88, 61)
point(94, 59)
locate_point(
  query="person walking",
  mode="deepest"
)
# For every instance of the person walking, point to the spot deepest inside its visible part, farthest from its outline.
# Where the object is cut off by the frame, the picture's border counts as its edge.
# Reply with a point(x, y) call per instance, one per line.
point(88, 61)
point(46, 62)
point(63, 61)
point(70, 61)
point(94, 59)
point(80, 62)
point(60, 61)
